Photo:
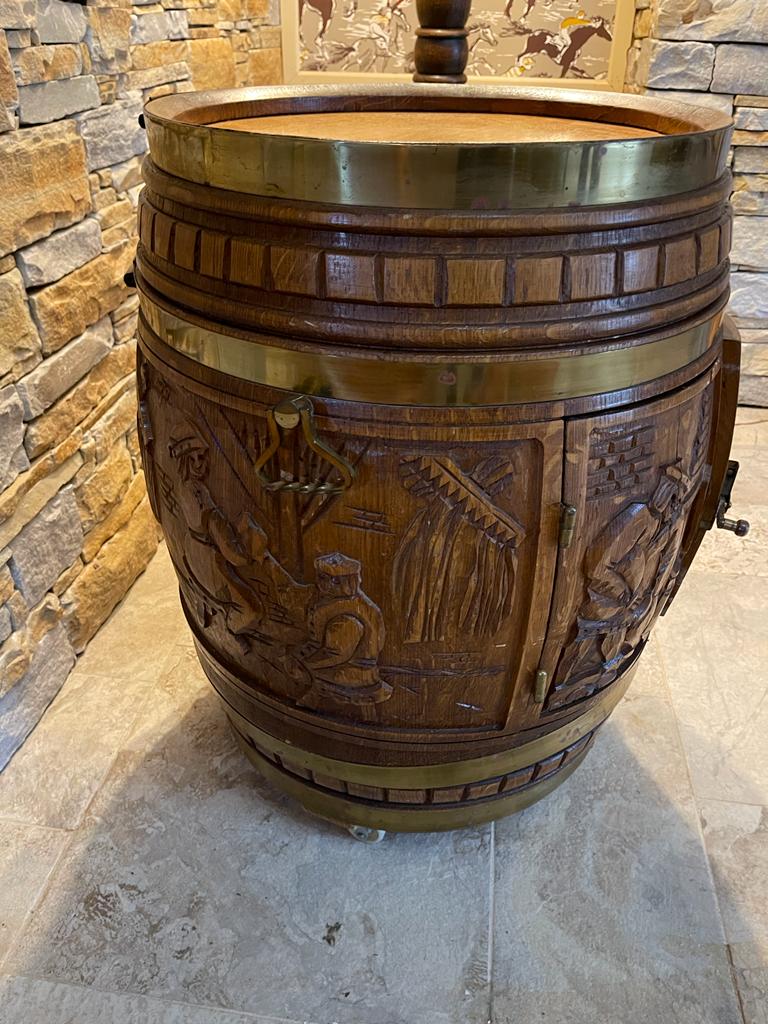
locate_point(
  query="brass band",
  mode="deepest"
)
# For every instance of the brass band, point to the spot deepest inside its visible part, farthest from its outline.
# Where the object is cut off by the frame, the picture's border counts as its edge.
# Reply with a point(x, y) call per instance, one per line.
point(480, 176)
point(487, 379)
point(451, 773)
point(350, 811)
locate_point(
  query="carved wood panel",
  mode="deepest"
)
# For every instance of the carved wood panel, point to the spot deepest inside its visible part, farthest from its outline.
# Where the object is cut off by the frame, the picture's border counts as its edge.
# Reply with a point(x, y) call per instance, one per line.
point(415, 600)
point(633, 478)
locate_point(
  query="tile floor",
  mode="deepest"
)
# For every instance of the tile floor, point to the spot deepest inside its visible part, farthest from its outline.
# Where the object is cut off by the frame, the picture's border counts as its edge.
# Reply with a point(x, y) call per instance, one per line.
point(148, 875)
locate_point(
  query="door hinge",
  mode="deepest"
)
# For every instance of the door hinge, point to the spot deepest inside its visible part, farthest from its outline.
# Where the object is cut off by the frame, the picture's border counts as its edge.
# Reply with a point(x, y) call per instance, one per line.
point(542, 684)
point(567, 525)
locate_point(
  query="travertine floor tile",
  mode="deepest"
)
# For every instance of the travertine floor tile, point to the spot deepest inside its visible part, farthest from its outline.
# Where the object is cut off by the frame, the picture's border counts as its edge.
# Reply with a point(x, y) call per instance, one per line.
point(715, 646)
point(604, 907)
point(54, 776)
point(722, 552)
point(191, 880)
point(736, 836)
point(27, 855)
point(29, 1001)
point(136, 638)
point(751, 428)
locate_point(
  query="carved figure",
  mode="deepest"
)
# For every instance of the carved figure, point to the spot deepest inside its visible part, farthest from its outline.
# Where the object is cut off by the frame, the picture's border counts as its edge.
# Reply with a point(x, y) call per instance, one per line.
point(455, 568)
point(346, 631)
point(628, 570)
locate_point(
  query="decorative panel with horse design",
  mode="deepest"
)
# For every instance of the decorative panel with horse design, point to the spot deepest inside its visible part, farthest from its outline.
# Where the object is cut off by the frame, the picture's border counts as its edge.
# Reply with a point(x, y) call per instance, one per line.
point(581, 42)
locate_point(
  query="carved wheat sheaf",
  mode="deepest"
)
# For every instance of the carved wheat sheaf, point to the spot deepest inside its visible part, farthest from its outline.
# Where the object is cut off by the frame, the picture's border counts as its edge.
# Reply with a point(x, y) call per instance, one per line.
point(456, 564)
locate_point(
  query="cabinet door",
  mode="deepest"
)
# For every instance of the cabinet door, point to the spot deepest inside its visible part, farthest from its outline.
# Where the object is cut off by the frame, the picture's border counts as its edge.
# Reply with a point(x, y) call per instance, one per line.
point(634, 478)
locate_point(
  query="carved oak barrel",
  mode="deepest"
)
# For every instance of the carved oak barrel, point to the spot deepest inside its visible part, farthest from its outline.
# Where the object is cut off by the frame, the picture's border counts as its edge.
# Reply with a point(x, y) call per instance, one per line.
point(435, 404)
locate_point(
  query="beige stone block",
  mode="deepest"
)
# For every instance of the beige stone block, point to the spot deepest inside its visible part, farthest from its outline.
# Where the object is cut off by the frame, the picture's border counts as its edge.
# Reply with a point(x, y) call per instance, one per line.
point(230, 10)
point(14, 661)
point(109, 38)
point(750, 194)
point(750, 138)
point(104, 581)
point(43, 618)
point(256, 9)
point(39, 389)
point(8, 92)
point(19, 340)
point(265, 67)
point(743, 100)
point(643, 24)
point(47, 63)
point(750, 160)
point(212, 64)
point(743, 21)
point(64, 309)
point(740, 68)
point(44, 184)
point(21, 502)
point(684, 65)
point(114, 237)
point(117, 213)
point(159, 54)
point(270, 36)
point(99, 494)
point(119, 516)
point(714, 100)
point(116, 421)
point(17, 14)
point(152, 77)
point(52, 101)
point(752, 118)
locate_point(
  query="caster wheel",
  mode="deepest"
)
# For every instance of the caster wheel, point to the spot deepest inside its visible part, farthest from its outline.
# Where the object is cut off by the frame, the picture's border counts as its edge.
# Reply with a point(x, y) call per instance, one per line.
point(366, 835)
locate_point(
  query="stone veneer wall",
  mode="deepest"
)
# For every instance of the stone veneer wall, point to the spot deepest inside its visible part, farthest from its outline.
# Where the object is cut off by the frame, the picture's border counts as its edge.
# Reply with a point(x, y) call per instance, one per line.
point(75, 525)
point(716, 52)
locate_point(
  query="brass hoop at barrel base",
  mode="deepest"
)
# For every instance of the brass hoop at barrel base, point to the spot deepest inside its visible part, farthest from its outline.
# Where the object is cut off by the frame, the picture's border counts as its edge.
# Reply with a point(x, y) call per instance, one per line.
point(684, 156)
point(349, 811)
point(450, 382)
point(452, 773)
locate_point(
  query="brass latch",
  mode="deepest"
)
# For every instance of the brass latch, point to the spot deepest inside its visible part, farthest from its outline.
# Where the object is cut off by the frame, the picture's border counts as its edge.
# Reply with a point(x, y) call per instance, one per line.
point(540, 688)
point(567, 525)
point(287, 416)
point(738, 526)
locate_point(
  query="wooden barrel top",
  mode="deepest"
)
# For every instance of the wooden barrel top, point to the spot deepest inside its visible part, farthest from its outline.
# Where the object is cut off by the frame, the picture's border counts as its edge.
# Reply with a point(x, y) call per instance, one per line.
point(435, 127)
point(451, 148)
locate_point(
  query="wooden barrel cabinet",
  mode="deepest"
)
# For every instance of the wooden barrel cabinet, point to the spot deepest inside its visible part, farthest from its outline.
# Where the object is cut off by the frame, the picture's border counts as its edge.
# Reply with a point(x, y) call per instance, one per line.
point(436, 401)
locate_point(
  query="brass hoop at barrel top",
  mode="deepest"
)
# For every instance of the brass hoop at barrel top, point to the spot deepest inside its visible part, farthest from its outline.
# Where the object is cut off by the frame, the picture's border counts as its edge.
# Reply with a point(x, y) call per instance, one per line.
point(184, 141)
point(484, 380)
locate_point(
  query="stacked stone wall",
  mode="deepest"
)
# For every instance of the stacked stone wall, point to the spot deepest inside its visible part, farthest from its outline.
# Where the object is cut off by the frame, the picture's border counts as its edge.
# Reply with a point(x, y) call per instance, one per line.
point(75, 524)
point(715, 52)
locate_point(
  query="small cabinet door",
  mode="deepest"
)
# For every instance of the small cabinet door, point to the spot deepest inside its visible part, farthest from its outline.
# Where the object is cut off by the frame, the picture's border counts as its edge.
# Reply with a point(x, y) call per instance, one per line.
point(634, 478)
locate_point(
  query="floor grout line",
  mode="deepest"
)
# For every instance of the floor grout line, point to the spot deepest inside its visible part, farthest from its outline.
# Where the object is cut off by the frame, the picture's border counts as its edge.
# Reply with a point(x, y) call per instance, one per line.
point(259, 1018)
point(703, 843)
point(725, 800)
point(491, 917)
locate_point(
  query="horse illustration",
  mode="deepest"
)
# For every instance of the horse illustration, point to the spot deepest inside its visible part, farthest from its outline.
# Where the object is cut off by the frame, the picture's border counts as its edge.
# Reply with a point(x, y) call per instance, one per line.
point(324, 8)
point(565, 46)
point(480, 32)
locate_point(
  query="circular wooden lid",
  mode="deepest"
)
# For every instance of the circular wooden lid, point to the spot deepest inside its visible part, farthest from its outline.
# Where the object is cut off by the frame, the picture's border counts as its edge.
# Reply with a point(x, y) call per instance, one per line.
point(434, 126)
point(438, 147)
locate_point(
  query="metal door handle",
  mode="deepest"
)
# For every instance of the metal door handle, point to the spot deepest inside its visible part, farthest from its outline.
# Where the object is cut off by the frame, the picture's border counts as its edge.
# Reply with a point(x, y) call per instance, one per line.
point(288, 415)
